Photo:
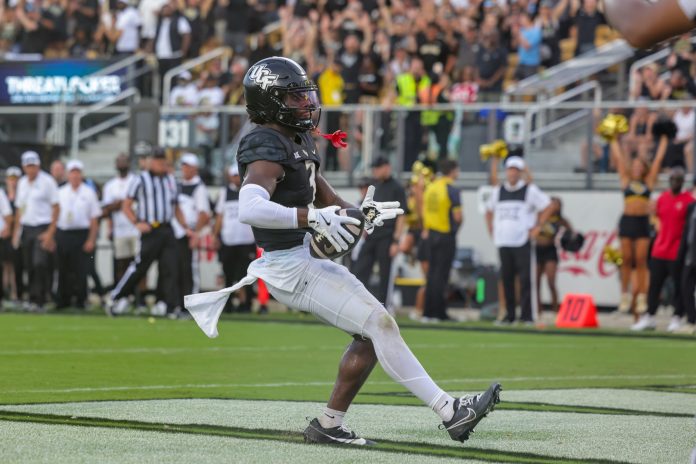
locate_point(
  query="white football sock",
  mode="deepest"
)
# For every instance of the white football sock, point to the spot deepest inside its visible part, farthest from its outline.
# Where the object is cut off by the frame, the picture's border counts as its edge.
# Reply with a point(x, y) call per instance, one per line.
point(331, 418)
point(400, 364)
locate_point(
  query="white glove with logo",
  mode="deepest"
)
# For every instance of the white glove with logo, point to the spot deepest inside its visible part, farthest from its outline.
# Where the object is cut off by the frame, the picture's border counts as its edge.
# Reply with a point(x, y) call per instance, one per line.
point(328, 223)
point(376, 212)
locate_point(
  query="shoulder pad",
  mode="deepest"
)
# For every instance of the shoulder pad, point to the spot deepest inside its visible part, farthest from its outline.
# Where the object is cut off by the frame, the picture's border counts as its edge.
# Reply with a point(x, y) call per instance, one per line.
point(262, 144)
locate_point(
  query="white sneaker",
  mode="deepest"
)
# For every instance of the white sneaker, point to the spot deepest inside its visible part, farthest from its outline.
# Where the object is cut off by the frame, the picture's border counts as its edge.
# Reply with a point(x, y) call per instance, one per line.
point(159, 309)
point(641, 303)
point(120, 306)
point(686, 329)
point(625, 303)
point(646, 322)
point(675, 324)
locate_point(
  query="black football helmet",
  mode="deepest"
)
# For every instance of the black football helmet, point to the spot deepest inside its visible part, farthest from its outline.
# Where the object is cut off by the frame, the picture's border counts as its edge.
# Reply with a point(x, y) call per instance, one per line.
point(278, 90)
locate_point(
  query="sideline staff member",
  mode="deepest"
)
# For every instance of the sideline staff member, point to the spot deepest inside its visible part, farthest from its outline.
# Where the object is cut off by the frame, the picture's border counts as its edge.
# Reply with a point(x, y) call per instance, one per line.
point(78, 224)
point(155, 193)
point(442, 215)
point(515, 211)
point(35, 226)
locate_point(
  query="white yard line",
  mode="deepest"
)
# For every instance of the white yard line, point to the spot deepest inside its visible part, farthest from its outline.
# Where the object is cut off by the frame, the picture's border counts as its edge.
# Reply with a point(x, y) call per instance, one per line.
point(324, 383)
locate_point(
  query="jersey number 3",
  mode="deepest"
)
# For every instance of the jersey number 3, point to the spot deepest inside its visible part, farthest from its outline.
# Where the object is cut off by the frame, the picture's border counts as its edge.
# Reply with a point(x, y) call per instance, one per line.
point(312, 174)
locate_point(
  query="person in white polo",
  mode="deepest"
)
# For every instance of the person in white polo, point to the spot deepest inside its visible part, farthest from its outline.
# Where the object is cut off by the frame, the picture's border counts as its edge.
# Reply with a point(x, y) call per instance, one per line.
point(195, 206)
point(35, 226)
point(234, 240)
point(78, 224)
point(514, 214)
point(124, 235)
point(5, 233)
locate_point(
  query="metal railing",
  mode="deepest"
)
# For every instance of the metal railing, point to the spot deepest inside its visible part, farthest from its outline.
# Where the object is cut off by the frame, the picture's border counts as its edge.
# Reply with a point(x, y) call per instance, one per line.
point(532, 135)
point(220, 52)
point(79, 135)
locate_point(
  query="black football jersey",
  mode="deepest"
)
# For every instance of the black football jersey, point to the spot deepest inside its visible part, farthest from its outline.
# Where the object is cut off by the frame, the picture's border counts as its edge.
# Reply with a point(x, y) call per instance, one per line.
point(296, 189)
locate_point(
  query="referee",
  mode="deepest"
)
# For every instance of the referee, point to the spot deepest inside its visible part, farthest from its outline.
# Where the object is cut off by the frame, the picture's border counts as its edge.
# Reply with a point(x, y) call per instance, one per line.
point(155, 193)
point(442, 215)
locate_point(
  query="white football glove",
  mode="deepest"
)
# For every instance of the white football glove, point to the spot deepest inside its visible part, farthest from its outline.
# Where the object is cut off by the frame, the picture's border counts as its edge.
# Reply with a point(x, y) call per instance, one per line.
point(330, 225)
point(376, 212)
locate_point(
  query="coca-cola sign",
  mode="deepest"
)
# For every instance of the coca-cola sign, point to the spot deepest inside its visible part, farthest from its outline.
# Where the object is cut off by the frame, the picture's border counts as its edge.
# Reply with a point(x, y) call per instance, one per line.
point(589, 261)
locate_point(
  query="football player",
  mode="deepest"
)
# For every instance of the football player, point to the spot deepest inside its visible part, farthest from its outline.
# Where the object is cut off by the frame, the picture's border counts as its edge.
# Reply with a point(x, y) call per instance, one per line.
point(644, 23)
point(283, 197)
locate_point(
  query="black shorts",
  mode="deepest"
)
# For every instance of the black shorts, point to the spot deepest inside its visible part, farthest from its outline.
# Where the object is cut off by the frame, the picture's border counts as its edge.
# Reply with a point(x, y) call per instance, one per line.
point(634, 227)
point(546, 253)
point(675, 156)
point(235, 260)
point(422, 253)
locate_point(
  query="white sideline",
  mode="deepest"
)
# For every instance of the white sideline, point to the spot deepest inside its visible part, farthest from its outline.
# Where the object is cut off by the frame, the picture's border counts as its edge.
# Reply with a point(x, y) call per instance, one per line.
point(323, 384)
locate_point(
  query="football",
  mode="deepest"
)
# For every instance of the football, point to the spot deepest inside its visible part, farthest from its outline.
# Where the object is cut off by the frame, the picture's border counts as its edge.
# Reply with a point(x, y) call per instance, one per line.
point(321, 248)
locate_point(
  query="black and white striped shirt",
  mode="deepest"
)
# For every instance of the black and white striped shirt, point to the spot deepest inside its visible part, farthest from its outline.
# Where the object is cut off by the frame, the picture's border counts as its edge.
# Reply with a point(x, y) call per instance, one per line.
point(156, 197)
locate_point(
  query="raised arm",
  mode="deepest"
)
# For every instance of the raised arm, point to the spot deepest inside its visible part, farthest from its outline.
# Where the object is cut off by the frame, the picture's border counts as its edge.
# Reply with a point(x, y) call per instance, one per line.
point(621, 166)
point(656, 165)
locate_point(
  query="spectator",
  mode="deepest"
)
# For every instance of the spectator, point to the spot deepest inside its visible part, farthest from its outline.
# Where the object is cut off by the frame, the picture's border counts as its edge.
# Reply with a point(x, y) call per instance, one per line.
point(679, 87)
point(468, 47)
point(370, 80)
point(233, 240)
point(671, 212)
point(172, 38)
point(199, 15)
point(639, 139)
point(194, 203)
point(35, 33)
point(492, 63)
point(185, 92)
point(35, 226)
point(331, 91)
point(10, 29)
point(262, 50)
point(681, 150)
point(76, 237)
point(437, 122)
point(549, 22)
point(408, 85)
point(514, 216)
point(124, 235)
point(5, 234)
point(351, 56)
point(442, 216)
point(586, 19)
point(123, 29)
point(383, 244)
point(238, 13)
point(433, 50)
point(86, 15)
point(148, 12)
point(648, 84)
point(528, 38)
point(155, 193)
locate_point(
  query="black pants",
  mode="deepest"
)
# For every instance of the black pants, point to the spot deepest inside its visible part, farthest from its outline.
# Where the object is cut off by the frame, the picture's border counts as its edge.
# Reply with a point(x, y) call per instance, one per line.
point(37, 263)
point(375, 249)
point(660, 269)
point(441, 249)
point(73, 267)
point(158, 245)
point(17, 258)
point(164, 65)
point(442, 131)
point(189, 280)
point(413, 138)
point(517, 262)
point(235, 260)
point(4, 256)
point(688, 286)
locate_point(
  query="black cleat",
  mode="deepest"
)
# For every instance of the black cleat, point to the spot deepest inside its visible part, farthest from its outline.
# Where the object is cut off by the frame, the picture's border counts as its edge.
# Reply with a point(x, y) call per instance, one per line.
point(470, 410)
point(341, 435)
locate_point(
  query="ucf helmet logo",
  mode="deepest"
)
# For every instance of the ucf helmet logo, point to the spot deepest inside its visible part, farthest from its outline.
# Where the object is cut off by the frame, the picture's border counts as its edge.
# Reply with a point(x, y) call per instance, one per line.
point(262, 76)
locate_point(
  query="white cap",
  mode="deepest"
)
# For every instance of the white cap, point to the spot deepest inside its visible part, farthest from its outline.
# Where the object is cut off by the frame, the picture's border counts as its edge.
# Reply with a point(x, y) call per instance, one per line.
point(233, 170)
point(189, 159)
point(74, 164)
point(515, 162)
point(185, 75)
point(30, 158)
point(13, 171)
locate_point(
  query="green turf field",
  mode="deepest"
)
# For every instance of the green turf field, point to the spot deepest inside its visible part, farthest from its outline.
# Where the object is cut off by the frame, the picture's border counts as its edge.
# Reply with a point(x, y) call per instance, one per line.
point(92, 389)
